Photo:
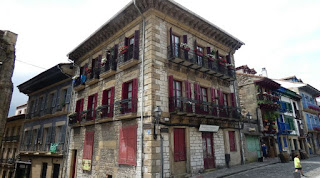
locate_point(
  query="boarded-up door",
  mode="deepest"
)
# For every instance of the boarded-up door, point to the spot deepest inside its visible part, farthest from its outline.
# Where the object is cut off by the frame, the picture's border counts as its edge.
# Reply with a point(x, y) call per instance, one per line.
point(253, 145)
point(208, 151)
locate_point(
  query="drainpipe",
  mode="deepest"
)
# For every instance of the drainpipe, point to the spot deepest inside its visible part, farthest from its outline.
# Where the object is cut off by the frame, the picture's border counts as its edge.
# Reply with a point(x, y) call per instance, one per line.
point(142, 85)
point(239, 124)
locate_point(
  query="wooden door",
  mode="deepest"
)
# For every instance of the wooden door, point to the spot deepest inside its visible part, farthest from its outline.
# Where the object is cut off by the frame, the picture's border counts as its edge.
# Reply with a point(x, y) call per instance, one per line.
point(208, 150)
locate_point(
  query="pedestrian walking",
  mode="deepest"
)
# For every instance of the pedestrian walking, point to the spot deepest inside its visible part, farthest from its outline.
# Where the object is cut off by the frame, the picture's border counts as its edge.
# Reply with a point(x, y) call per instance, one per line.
point(297, 164)
point(264, 150)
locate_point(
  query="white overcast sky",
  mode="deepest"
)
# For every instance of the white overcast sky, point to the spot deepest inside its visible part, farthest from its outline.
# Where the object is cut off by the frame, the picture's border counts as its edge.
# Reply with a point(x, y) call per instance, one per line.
point(281, 35)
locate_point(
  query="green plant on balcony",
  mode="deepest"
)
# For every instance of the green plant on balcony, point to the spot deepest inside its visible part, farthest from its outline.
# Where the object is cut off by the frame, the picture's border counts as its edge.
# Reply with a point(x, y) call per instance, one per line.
point(124, 49)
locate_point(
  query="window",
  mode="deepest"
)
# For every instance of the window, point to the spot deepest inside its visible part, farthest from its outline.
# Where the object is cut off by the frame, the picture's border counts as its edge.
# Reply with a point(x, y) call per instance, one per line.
point(79, 108)
point(129, 96)
point(92, 104)
point(130, 47)
point(204, 98)
point(128, 145)
point(179, 144)
point(44, 170)
point(177, 93)
point(50, 100)
point(58, 135)
point(108, 101)
point(199, 55)
point(232, 141)
point(63, 97)
point(176, 45)
point(225, 99)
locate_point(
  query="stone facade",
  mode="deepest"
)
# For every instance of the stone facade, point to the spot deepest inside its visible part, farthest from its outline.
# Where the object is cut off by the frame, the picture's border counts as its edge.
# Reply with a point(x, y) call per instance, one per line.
point(152, 89)
point(7, 59)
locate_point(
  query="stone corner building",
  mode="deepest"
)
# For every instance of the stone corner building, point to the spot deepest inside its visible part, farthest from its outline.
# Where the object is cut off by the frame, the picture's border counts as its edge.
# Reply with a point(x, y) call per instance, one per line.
point(7, 58)
point(177, 61)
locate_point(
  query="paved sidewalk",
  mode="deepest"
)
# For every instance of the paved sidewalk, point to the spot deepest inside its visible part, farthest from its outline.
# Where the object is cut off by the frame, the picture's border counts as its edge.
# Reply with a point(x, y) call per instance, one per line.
point(237, 169)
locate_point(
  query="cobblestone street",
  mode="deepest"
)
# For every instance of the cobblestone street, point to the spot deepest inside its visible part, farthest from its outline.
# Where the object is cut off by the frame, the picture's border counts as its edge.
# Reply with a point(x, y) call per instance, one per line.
point(311, 168)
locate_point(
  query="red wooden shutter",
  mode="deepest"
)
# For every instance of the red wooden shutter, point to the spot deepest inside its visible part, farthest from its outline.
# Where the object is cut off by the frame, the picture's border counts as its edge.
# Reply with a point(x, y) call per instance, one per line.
point(115, 48)
point(88, 145)
point(232, 141)
point(179, 144)
point(104, 97)
point(208, 50)
point(176, 145)
point(171, 99)
point(95, 97)
point(132, 145)
point(217, 55)
point(134, 94)
point(122, 147)
point(78, 106)
point(182, 145)
point(233, 100)
point(220, 94)
point(128, 145)
point(136, 44)
point(197, 97)
point(110, 114)
point(81, 105)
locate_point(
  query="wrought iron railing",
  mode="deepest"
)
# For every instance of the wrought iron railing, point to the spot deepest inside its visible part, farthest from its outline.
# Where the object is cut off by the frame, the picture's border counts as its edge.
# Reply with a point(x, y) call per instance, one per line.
point(127, 55)
point(125, 106)
point(109, 65)
point(188, 106)
point(199, 59)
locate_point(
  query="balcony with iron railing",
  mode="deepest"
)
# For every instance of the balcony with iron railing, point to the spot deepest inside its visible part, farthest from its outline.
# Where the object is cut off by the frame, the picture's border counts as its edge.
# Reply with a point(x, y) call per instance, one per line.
point(310, 107)
point(189, 107)
point(43, 148)
point(108, 68)
point(127, 57)
point(204, 63)
point(268, 101)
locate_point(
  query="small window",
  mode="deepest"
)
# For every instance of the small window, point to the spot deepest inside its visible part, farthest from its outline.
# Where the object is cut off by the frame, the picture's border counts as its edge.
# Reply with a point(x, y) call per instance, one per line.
point(176, 45)
point(225, 99)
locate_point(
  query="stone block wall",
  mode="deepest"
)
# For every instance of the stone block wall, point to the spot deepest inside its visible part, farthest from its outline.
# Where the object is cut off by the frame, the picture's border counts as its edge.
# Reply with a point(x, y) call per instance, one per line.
point(196, 151)
point(219, 149)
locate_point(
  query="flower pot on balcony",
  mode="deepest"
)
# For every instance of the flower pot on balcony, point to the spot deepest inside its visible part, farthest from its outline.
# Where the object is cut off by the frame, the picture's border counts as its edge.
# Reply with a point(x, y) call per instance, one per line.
point(123, 49)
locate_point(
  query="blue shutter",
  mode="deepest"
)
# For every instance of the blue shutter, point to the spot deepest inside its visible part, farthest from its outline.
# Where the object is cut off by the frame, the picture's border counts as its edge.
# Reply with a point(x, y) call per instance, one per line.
point(68, 97)
point(63, 134)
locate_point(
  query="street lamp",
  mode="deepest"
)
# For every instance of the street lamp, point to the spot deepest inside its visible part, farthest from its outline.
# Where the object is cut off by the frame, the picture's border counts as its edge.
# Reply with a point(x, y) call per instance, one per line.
point(157, 115)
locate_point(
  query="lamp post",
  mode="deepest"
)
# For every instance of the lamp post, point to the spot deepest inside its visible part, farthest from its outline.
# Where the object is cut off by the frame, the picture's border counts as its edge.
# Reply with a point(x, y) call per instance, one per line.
point(157, 115)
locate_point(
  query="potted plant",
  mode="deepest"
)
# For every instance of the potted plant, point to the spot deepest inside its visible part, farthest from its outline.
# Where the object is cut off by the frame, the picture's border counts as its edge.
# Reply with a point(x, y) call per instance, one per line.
point(123, 49)
point(222, 61)
point(88, 70)
point(184, 46)
point(198, 52)
point(103, 61)
point(210, 57)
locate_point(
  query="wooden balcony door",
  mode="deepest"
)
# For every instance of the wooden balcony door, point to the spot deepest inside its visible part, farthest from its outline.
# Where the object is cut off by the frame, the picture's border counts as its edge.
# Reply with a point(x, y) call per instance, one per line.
point(208, 150)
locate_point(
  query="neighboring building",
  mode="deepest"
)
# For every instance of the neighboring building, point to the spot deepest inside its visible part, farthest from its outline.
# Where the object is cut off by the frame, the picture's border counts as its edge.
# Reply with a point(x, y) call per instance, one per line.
point(259, 98)
point(44, 143)
point(291, 137)
point(7, 60)
point(310, 111)
point(10, 143)
point(186, 69)
point(22, 109)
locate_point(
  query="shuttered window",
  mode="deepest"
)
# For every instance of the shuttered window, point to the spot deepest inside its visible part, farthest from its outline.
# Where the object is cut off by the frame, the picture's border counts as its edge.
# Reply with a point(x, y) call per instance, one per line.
point(108, 101)
point(129, 96)
point(188, 95)
point(128, 145)
point(88, 145)
point(232, 141)
point(179, 144)
point(92, 104)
